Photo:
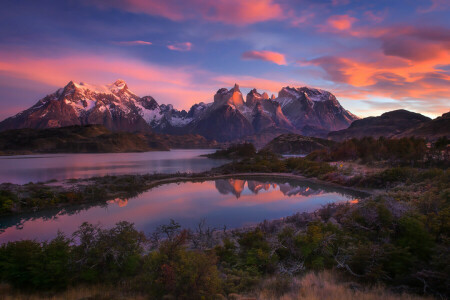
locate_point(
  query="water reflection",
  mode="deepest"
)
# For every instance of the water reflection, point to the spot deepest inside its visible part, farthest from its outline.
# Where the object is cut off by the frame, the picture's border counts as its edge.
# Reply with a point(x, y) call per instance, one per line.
point(231, 202)
point(25, 168)
point(236, 186)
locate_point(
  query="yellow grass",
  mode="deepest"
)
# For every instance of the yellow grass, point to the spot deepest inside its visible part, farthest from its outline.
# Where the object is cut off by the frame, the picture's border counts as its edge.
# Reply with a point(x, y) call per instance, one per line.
point(324, 286)
point(321, 286)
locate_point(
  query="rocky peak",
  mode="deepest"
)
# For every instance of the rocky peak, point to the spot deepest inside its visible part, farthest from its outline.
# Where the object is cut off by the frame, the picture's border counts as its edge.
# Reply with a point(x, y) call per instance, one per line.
point(232, 97)
point(148, 102)
point(253, 97)
point(119, 85)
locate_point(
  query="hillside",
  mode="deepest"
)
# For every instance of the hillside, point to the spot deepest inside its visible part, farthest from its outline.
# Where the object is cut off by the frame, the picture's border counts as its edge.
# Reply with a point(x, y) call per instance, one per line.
point(74, 139)
point(431, 130)
point(94, 139)
point(296, 144)
point(388, 124)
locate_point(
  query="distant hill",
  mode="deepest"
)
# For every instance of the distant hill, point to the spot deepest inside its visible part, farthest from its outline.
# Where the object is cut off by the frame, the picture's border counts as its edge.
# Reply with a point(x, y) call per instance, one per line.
point(92, 139)
point(389, 124)
point(74, 139)
point(431, 130)
point(296, 144)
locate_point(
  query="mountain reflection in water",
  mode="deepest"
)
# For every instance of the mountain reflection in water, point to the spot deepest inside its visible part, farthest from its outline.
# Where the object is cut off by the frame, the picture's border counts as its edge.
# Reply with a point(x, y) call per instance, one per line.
point(231, 202)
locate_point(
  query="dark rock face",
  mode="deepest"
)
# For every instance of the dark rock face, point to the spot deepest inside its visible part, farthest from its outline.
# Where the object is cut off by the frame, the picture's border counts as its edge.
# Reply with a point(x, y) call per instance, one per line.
point(388, 124)
point(228, 118)
point(224, 124)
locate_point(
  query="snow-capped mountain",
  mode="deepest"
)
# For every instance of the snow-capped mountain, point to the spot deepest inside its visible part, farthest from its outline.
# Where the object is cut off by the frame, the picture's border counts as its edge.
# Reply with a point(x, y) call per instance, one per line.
point(310, 107)
point(228, 118)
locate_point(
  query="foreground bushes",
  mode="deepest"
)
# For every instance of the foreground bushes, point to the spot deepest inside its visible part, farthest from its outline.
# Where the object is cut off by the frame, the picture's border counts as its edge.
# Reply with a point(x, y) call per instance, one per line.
point(377, 240)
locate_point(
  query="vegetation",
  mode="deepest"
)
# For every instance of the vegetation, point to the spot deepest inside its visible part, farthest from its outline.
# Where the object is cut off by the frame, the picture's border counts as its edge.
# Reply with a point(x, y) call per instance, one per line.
point(404, 151)
point(398, 238)
point(235, 152)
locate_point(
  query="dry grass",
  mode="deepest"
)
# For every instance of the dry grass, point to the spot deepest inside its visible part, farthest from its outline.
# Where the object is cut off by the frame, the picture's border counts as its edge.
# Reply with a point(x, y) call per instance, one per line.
point(325, 286)
point(322, 286)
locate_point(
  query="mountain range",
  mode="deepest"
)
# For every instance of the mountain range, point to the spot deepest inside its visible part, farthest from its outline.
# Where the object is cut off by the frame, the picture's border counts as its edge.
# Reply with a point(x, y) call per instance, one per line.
point(304, 110)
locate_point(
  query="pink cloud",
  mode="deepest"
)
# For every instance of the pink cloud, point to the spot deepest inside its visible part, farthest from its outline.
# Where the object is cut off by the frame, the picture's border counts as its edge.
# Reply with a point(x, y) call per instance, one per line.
point(275, 57)
point(187, 46)
point(237, 12)
point(181, 86)
point(133, 43)
point(341, 22)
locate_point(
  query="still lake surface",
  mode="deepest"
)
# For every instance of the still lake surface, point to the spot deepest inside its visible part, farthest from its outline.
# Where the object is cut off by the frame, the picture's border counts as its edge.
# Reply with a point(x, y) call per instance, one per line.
point(223, 202)
point(43, 167)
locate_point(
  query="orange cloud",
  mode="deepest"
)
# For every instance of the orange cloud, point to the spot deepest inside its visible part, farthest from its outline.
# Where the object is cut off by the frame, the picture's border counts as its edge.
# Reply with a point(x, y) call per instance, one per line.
point(418, 85)
point(341, 22)
point(237, 12)
point(271, 56)
point(180, 46)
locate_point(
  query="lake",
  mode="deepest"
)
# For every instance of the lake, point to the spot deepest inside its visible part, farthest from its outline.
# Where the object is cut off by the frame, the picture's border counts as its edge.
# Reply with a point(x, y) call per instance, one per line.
point(43, 167)
point(224, 202)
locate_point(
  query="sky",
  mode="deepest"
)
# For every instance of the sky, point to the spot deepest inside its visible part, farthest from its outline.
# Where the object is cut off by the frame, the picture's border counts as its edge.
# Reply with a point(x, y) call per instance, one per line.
point(375, 56)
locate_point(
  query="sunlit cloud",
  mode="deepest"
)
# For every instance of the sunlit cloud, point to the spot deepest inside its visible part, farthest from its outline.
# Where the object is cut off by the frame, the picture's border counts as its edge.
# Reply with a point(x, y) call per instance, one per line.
point(275, 57)
point(187, 46)
point(419, 85)
point(341, 22)
point(236, 12)
point(133, 43)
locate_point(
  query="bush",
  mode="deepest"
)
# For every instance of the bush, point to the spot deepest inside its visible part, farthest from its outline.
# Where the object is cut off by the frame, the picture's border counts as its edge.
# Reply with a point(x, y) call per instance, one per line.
point(172, 270)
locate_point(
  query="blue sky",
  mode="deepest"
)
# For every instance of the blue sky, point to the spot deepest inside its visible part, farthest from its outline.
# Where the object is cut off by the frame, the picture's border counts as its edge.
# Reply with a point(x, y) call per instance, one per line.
point(374, 56)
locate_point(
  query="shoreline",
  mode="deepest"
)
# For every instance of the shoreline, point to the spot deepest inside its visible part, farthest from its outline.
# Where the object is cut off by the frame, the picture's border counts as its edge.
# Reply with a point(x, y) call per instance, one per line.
point(81, 185)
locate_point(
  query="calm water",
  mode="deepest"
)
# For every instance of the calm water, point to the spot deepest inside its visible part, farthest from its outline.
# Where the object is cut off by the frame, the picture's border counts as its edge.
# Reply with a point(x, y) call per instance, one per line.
point(25, 168)
point(229, 202)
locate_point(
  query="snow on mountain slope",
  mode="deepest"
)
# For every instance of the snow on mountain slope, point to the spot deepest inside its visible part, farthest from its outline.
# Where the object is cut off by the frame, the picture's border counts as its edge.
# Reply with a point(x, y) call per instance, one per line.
point(229, 117)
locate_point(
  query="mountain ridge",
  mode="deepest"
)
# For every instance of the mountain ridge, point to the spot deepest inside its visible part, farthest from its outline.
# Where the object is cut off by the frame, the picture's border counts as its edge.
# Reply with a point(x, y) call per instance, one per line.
point(396, 124)
point(299, 110)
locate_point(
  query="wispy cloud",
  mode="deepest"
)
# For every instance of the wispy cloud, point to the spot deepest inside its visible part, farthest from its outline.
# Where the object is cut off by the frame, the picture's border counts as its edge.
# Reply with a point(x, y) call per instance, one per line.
point(133, 43)
point(187, 46)
point(235, 12)
point(275, 57)
point(435, 5)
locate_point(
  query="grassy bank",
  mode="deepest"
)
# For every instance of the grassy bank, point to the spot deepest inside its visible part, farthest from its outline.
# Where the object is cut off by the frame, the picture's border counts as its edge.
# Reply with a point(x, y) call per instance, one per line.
point(311, 286)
